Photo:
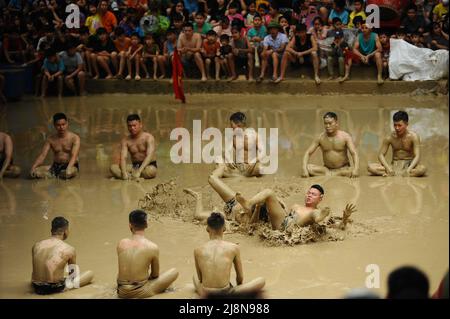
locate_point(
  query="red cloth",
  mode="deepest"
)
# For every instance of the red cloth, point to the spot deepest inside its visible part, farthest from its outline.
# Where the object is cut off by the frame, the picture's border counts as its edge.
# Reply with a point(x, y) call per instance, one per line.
point(177, 74)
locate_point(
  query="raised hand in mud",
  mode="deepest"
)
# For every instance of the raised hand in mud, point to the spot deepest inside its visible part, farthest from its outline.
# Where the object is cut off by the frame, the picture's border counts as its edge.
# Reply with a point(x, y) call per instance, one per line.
point(348, 211)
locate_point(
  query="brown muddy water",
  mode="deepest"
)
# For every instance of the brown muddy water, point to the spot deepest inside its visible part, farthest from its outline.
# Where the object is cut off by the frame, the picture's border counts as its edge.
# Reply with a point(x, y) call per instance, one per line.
point(410, 215)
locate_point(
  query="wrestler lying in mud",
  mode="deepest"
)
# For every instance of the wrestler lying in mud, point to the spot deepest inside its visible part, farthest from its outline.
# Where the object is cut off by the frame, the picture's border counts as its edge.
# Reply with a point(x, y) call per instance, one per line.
point(266, 206)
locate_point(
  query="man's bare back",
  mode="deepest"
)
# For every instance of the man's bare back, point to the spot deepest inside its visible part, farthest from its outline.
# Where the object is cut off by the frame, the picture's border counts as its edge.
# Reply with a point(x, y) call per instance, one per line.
point(135, 258)
point(138, 258)
point(215, 260)
point(50, 257)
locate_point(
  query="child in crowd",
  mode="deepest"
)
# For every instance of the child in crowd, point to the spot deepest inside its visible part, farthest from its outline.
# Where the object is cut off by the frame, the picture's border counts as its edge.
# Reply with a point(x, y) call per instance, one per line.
point(210, 52)
point(251, 12)
point(233, 13)
point(223, 28)
point(273, 15)
point(134, 55)
point(168, 48)
point(122, 44)
point(225, 53)
point(242, 54)
point(150, 53)
point(338, 49)
point(93, 21)
point(386, 48)
point(415, 40)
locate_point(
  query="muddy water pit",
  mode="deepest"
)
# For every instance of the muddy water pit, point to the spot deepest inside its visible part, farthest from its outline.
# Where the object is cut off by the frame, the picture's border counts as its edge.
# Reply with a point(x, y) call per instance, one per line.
point(399, 220)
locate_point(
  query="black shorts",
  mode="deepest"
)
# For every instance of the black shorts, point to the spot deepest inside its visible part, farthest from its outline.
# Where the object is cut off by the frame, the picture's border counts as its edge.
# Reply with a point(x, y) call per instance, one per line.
point(57, 168)
point(136, 165)
point(49, 288)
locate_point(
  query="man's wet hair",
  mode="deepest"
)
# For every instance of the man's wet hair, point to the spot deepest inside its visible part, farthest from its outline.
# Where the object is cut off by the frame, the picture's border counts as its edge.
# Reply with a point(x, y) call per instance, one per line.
point(408, 283)
point(133, 117)
point(215, 221)
point(59, 225)
point(400, 116)
point(238, 117)
point(331, 115)
point(138, 219)
point(59, 116)
point(188, 25)
point(319, 188)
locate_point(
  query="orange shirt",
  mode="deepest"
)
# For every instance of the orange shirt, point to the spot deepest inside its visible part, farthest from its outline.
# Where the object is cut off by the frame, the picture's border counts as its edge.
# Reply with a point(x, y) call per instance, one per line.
point(122, 45)
point(109, 21)
point(211, 49)
point(134, 3)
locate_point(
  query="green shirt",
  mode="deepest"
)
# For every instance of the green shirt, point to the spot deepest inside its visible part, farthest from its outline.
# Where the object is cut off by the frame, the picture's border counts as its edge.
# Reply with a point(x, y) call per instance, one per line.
point(205, 28)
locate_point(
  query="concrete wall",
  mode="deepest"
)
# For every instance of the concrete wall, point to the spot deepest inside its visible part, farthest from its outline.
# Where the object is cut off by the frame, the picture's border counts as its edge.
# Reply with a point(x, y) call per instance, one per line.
point(291, 86)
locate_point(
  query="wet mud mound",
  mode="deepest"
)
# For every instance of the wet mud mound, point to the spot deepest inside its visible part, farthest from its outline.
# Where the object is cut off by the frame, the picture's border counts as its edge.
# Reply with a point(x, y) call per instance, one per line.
point(168, 199)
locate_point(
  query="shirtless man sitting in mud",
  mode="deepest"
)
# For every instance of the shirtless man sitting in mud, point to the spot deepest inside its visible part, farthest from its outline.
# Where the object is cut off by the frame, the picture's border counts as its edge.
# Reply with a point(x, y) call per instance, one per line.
point(50, 257)
point(246, 168)
point(334, 144)
point(141, 146)
point(65, 146)
point(266, 206)
point(137, 256)
point(213, 263)
point(7, 168)
point(405, 151)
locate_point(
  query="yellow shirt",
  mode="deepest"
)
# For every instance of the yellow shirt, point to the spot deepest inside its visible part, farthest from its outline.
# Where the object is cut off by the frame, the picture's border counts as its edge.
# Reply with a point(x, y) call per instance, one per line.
point(93, 23)
point(440, 10)
point(355, 14)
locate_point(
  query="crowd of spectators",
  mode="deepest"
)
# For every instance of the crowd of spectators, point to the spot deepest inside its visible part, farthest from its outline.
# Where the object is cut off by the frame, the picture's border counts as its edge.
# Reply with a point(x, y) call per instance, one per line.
point(220, 39)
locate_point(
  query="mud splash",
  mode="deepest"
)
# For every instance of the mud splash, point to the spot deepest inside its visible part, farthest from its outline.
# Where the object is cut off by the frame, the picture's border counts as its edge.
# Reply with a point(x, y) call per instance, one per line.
point(166, 199)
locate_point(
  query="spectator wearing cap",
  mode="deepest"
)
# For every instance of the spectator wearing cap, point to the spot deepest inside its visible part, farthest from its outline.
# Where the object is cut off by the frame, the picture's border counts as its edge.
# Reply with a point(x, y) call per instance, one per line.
point(337, 54)
point(274, 45)
point(301, 49)
point(53, 70)
point(73, 68)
